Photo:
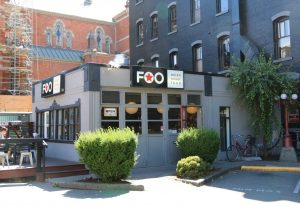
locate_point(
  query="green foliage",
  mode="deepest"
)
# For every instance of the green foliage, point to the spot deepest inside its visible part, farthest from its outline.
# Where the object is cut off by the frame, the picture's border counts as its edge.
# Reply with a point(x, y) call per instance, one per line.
point(109, 154)
point(258, 83)
point(201, 142)
point(192, 167)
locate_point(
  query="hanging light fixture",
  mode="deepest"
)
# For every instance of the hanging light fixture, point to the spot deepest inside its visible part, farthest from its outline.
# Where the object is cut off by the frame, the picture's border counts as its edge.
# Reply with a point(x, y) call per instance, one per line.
point(191, 108)
point(131, 110)
point(160, 108)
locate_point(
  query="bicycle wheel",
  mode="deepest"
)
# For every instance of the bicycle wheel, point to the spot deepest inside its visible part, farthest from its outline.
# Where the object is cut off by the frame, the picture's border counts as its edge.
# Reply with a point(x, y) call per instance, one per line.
point(232, 153)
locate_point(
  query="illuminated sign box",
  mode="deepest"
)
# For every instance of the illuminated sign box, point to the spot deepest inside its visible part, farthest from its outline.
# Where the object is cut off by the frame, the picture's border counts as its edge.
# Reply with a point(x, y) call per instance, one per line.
point(156, 77)
point(53, 86)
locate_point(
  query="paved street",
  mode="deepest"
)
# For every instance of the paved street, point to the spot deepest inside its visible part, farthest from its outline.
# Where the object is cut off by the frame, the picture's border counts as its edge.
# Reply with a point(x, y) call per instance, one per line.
point(235, 188)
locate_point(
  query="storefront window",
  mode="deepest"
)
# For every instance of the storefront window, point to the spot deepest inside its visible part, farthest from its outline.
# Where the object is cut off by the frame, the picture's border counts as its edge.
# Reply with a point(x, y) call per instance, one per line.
point(154, 98)
point(51, 136)
point(174, 120)
point(59, 125)
point(132, 98)
point(111, 97)
point(110, 117)
point(155, 123)
point(174, 99)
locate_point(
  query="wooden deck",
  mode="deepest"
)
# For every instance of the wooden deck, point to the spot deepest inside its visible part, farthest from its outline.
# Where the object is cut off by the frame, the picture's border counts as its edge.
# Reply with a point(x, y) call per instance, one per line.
point(54, 168)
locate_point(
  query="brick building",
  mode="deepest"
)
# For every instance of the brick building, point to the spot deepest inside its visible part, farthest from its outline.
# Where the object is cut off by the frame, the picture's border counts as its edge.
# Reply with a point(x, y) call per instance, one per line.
point(53, 43)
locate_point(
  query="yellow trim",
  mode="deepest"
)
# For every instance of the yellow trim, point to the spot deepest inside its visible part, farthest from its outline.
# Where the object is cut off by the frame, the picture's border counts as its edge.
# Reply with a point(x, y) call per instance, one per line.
point(271, 168)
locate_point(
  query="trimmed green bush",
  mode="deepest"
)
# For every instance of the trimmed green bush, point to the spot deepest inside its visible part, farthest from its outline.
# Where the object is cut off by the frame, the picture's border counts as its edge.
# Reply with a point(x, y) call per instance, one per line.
point(192, 167)
point(108, 153)
point(199, 142)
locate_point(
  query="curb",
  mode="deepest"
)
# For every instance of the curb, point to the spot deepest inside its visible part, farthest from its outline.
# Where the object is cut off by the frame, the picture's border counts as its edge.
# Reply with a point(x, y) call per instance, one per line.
point(99, 186)
point(211, 178)
point(271, 168)
point(208, 179)
point(72, 182)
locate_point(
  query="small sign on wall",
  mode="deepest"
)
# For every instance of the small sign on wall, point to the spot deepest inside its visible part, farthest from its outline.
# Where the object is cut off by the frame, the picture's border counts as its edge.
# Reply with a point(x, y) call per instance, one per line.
point(110, 112)
point(53, 86)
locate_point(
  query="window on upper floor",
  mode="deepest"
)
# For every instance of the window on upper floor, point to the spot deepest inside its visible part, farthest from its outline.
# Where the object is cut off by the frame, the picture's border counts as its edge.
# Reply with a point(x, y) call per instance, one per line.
point(224, 52)
point(141, 62)
point(99, 37)
point(174, 60)
point(195, 11)
point(197, 58)
point(59, 34)
point(155, 62)
point(69, 40)
point(154, 26)
point(140, 33)
point(172, 19)
point(49, 37)
point(222, 6)
point(282, 38)
point(107, 45)
point(138, 1)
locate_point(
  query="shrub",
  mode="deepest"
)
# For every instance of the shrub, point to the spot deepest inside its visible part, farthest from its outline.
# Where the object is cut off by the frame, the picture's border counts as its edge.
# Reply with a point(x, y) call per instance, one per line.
point(109, 153)
point(200, 142)
point(191, 167)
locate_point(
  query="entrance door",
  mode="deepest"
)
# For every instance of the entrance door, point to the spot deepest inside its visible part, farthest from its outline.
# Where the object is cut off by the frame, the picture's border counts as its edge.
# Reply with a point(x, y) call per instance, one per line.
point(155, 130)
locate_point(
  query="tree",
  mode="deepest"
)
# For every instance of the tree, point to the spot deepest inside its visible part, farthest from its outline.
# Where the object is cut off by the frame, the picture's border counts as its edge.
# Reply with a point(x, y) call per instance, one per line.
point(258, 83)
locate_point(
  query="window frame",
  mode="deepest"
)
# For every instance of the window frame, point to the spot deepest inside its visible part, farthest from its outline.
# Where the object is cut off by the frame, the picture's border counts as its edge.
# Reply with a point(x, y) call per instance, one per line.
point(154, 26)
point(172, 56)
point(277, 36)
point(224, 60)
point(195, 59)
point(195, 11)
point(172, 13)
point(139, 33)
point(219, 4)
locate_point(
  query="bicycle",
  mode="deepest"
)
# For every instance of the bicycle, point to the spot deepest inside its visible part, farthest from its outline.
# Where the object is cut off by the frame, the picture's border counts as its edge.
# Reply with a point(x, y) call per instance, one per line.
point(237, 151)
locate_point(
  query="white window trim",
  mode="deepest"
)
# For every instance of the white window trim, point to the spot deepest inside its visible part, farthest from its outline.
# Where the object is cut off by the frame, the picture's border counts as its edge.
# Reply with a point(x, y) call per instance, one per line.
point(196, 42)
point(140, 61)
point(153, 13)
point(139, 20)
point(154, 56)
point(280, 14)
point(224, 33)
point(171, 4)
point(173, 50)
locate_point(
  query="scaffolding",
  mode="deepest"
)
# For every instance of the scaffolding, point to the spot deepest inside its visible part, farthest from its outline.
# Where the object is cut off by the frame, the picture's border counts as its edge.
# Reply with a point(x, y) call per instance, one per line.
point(15, 48)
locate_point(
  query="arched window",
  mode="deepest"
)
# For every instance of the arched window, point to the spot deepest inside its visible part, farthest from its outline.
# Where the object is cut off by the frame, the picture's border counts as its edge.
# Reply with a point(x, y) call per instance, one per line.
point(154, 26)
point(69, 40)
point(59, 34)
point(155, 60)
point(222, 6)
point(107, 45)
point(91, 40)
point(173, 56)
point(224, 52)
point(195, 11)
point(49, 37)
point(282, 37)
point(140, 62)
point(197, 58)
point(172, 18)
point(140, 32)
point(99, 37)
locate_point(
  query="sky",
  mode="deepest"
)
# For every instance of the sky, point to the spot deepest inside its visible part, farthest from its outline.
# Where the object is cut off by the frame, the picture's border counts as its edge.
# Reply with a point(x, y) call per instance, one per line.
point(100, 9)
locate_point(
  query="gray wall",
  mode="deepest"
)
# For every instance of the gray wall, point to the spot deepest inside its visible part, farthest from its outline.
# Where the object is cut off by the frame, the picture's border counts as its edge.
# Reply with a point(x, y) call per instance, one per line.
point(256, 26)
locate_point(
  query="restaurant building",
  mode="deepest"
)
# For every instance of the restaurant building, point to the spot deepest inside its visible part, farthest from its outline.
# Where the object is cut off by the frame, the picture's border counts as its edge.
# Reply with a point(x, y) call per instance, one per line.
point(156, 102)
